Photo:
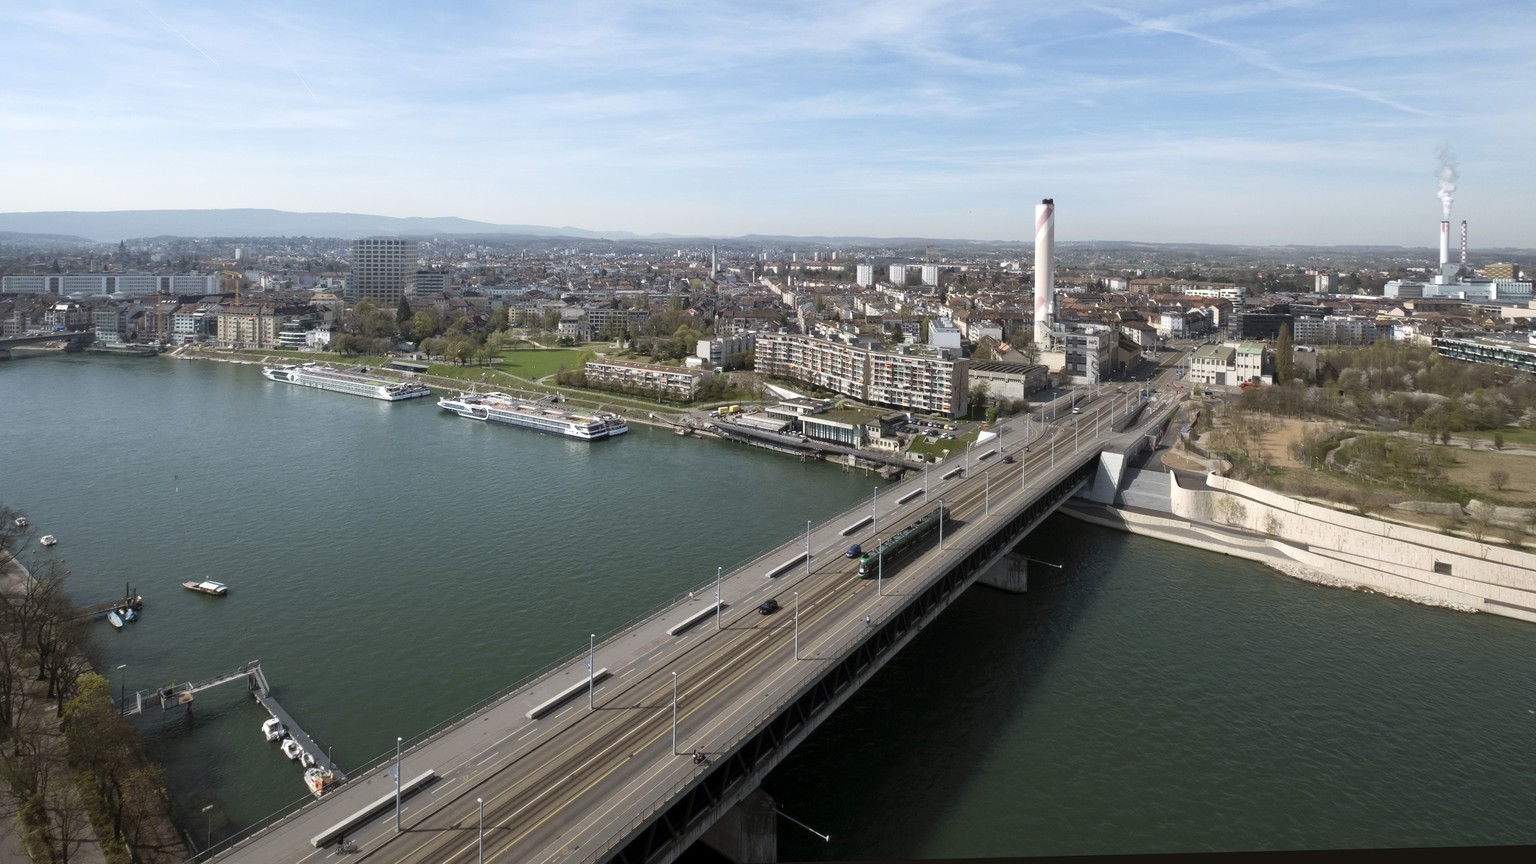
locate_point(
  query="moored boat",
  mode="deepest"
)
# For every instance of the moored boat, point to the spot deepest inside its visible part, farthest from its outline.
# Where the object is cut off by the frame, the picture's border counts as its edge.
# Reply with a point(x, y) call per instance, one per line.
point(273, 729)
point(291, 749)
point(319, 780)
point(543, 415)
point(218, 589)
point(21, 521)
point(115, 619)
point(48, 540)
point(355, 381)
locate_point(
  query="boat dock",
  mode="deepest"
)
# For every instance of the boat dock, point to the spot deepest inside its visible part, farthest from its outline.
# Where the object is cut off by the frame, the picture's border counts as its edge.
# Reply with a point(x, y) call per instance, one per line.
point(183, 694)
point(98, 610)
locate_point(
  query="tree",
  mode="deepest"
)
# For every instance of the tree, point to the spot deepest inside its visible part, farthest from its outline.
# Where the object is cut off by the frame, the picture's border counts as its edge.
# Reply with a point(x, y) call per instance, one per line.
point(1285, 355)
point(1499, 478)
point(403, 312)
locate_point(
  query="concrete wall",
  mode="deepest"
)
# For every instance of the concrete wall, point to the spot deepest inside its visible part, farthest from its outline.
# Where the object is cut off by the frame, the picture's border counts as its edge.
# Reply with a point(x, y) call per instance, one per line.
point(1407, 562)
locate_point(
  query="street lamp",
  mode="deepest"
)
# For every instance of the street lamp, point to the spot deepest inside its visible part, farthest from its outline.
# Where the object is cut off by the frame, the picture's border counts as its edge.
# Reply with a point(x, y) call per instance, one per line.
point(398, 741)
point(941, 524)
point(797, 624)
point(591, 655)
point(208, 841)
point(674, 713)
point(121, 692)
point(481, 802)
point(807, 547)
point(717, 599)
point(925, 482)
point(986, 499)
point(874, 511)
point(880, 573)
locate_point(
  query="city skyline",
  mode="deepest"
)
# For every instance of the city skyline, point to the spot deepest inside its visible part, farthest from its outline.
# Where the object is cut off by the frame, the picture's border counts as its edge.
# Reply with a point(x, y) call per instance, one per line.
point(1248, 123)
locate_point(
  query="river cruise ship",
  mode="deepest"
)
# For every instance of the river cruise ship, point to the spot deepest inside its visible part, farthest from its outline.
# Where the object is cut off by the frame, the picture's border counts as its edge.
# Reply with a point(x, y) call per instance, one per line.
point(544, 415)
point(355, 381)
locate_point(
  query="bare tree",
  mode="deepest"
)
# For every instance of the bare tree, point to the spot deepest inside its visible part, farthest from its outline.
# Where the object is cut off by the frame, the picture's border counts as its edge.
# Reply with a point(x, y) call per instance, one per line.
point(1499, 478)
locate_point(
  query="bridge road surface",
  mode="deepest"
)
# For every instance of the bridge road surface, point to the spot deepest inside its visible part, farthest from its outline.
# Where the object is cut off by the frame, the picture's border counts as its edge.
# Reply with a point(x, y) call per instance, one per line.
point(574, 784)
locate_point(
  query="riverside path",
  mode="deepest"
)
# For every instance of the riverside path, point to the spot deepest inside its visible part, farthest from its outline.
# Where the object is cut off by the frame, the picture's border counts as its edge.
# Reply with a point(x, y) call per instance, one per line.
point(691, 707)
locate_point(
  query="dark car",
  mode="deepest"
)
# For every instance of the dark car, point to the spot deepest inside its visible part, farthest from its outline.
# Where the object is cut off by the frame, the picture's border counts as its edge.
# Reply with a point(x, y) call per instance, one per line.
point(769, 607)
point(1008, 460)
point(853, 551)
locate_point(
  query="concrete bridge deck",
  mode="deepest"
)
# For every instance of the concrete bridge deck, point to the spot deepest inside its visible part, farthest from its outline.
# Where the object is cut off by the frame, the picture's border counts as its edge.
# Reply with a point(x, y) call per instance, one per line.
point(619, 781)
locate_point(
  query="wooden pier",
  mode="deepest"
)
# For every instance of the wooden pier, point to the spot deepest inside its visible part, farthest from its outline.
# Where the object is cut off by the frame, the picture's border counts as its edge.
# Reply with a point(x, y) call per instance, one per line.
point(99, 610)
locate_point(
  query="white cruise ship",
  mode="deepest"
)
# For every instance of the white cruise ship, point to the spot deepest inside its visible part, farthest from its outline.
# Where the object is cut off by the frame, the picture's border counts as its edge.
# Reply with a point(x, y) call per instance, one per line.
point(353, 381)
point(545, 415)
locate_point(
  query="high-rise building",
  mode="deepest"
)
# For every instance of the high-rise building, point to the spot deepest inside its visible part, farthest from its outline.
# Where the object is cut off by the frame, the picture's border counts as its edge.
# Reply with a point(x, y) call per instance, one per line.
point(383, 270)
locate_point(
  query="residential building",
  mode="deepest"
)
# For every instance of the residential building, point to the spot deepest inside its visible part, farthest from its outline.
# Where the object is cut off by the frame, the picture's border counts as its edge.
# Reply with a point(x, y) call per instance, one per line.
point(670, 382)
point(927, 381)
point(383, 270)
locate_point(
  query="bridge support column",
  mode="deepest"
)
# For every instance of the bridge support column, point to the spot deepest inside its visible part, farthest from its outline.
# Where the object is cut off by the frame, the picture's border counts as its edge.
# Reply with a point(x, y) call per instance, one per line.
point(1009, 573)
point(747, 833)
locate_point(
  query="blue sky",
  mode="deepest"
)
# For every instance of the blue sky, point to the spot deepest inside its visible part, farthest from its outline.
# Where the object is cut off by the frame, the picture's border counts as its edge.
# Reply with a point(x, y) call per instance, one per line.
point(1265, 122)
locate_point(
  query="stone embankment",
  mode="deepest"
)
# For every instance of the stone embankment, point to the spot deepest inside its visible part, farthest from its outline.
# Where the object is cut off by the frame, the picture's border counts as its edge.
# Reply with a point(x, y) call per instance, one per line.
point(1330, 547)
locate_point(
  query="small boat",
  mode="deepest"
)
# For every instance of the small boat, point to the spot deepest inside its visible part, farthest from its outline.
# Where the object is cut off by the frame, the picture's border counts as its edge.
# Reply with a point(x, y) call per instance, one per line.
point(128, 614)
point(48, 540)
point(305, 759)
point(218, 589)
point(319, 780)
point(291, 748)
point(115, 619)
point(273, 730)
point(21, 521)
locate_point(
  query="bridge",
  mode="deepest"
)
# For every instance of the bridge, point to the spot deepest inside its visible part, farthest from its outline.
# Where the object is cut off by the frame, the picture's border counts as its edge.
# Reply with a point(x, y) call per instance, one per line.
point(75, 340)
point(636, 750)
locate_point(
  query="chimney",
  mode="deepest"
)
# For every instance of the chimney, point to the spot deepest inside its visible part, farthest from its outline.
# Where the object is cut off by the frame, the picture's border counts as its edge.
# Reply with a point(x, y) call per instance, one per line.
point(1463, 242)
point(1045, 269)
point(1445, 242)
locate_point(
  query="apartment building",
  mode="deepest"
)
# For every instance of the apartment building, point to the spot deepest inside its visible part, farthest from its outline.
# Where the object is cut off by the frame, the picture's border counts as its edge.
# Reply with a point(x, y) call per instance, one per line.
point(671, 382)
point(916, 381)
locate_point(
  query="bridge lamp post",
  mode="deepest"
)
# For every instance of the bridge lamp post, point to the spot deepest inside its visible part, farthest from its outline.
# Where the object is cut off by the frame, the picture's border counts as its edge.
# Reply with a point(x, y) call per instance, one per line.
point(986, 495)
point(941, 524)
point(674, 713)
point(874, 511)
point(717, 599)
point(591, 655)
point(481, 802)
point(1076, 422)
point(797, 621)
point(121, 691)
point(208, 840)
point(925, 482)
point(398, 741)
point(880, 573)
point(807, 547)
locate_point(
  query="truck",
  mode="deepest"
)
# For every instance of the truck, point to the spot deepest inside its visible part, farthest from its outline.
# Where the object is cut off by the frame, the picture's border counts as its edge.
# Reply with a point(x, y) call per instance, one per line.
point(901, 542)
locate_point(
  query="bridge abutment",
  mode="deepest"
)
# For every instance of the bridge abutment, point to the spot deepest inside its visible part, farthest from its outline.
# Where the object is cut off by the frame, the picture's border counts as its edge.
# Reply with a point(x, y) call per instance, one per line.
point(1009, 573)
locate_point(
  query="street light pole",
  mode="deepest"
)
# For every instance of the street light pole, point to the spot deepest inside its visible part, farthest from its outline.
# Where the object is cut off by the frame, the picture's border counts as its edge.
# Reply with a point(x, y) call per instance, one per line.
point(591, 656)
point(986, 499)
point(807, 547)
point(208, 840)
point(797, 623)
point(879, 574)
point(481, 802)
point(874, 511)
point(925, 482)
point(717, 599)
point(941, 525)
point(398, 741)
point(674, 713)
point(121, 691)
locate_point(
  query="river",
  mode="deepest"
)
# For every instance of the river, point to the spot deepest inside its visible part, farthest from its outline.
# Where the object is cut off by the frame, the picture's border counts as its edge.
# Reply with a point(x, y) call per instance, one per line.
point(392, 566)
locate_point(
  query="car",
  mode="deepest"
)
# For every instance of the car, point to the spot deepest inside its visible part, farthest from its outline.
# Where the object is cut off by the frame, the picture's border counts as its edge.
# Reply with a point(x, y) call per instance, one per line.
point(853, 551)
point(1008, 460)
point(1076, 410)
point(769, 607)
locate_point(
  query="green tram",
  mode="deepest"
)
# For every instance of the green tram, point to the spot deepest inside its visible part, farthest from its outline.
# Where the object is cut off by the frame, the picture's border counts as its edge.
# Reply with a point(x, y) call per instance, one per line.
point(901, 542)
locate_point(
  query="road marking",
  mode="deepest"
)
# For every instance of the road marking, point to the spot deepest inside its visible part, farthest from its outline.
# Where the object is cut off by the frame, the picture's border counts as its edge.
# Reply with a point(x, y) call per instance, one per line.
point(488, 758)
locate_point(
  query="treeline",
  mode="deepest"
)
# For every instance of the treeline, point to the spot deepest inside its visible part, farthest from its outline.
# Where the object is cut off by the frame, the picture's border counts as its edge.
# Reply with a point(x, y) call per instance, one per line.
point(1398, 386)
point(61, 778)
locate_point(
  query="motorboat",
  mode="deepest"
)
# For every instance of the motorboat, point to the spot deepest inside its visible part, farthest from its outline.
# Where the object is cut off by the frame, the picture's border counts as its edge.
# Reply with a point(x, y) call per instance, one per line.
point(305, 759)
point(218, 589)
point(115, 619)
point(319, 780)
point(128, 614)
point(274, 730)
point(48, 540)
point(291, 749)
point(21, 521)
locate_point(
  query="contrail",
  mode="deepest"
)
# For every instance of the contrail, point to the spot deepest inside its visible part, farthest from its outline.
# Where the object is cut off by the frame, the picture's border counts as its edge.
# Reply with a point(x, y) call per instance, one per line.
point(177, 32)
point(297, 75)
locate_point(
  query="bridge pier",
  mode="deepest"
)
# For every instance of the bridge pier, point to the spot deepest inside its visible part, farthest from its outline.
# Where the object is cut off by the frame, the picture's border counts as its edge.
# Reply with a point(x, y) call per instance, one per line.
point(747, 833)
point(1009, 573)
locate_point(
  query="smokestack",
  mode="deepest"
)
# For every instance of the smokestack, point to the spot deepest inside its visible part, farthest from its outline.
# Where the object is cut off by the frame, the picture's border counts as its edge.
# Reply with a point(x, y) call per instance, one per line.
point(1045, 270)
point(1463, 242)
point(1445, 242)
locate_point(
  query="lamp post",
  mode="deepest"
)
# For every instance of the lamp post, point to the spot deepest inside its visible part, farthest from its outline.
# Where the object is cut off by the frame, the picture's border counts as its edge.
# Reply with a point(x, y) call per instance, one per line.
point(797, 623)
point(121, 691)
point(717, 599)
point(481, 802)
point(591, 655)
point(941, 525)
point(1076, 421)
point(674, 713)
point(807, 547)
point(874, 511)
point(398, 741)
point(925, 482)
point(208, 840)
point(986, 495)
point(880, 573)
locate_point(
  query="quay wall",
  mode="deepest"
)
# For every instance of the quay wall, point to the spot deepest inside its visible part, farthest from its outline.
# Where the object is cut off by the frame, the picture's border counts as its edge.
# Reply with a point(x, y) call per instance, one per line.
point(1331, 547)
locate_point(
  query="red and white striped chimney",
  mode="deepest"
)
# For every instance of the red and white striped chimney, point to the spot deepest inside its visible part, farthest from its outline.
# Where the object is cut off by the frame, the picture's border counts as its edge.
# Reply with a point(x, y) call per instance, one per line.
point(1463, 242)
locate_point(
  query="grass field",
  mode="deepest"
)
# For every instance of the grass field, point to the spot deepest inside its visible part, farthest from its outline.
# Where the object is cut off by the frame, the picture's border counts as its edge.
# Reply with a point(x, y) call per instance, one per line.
point(526, 363)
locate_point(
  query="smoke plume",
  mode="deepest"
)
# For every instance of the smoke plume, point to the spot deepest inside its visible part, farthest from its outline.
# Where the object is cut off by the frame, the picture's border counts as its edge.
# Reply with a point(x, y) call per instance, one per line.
point(1447, 177)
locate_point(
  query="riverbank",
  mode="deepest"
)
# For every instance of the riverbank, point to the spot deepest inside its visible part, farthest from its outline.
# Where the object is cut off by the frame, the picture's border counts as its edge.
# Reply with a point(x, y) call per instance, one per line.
point(1328, 547)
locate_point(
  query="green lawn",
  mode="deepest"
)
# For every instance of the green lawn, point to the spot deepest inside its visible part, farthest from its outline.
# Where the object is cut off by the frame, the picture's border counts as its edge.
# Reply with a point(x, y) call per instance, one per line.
point(526, 363)
point(955, 447)
point(1512, 435)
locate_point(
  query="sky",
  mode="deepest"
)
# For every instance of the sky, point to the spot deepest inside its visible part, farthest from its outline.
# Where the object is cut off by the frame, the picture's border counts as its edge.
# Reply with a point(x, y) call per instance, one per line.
point(1274, 122)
